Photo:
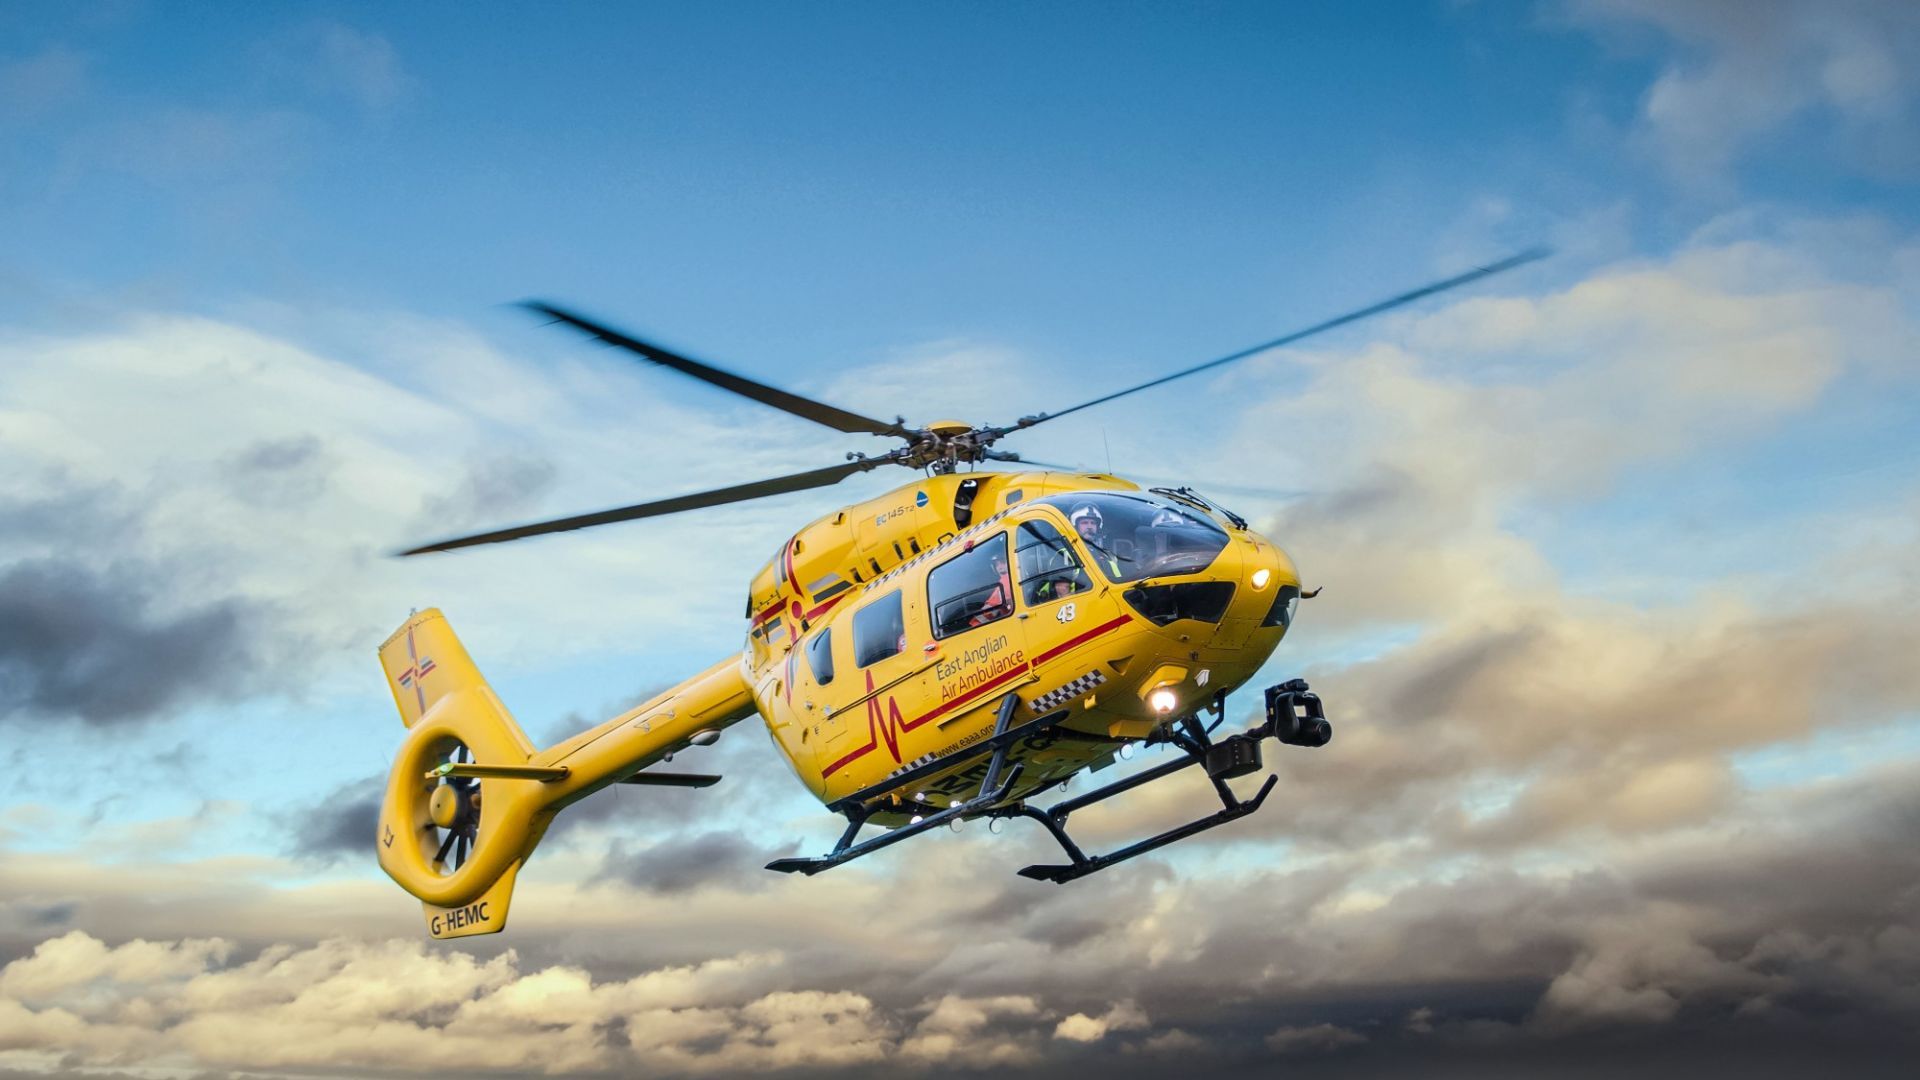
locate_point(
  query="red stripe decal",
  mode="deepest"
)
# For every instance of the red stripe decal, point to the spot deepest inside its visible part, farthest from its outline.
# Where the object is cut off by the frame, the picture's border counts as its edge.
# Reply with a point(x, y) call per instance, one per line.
point(1076, 642)
point(815, 613)
point(772, 610)
point(835, 767)
point(983, 688)
point(875, 725)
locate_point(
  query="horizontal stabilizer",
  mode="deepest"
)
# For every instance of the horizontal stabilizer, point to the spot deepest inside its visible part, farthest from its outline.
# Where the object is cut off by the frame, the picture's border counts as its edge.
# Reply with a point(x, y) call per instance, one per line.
point(671, 779)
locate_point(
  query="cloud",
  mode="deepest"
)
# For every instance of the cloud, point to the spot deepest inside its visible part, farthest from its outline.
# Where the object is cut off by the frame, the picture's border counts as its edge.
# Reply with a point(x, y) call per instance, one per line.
point(1743, 72)
point(491, 489)
point(93, 645)
point(247, 515)
point(1804, 923)
point(684, 864)
point(362, 65)
point(981, 1032)
point(1124, 1016)
point(1314, 1038)
point(399, 1009)
point(341, 825)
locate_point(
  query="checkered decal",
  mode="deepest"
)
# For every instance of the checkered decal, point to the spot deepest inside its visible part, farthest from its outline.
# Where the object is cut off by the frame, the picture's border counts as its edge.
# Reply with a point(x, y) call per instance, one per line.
point(1077, 688)
point(909, 766)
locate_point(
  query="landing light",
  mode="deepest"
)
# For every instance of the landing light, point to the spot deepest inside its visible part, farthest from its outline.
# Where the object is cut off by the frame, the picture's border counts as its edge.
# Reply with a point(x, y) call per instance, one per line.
point(915, 820)
point(1261, 577)
point(1126, 751)
point(1163, 700)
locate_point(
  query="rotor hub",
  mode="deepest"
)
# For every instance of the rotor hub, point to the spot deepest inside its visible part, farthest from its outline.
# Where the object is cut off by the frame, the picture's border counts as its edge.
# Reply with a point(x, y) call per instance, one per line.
point(444, 805)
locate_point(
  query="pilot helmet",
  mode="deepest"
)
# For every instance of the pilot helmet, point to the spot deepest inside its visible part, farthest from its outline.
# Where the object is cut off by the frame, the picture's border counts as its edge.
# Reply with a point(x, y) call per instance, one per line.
point(1084, 511)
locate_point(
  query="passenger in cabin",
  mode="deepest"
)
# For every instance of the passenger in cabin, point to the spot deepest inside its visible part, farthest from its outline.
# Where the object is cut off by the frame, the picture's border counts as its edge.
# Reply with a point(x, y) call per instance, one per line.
point(1000, 600)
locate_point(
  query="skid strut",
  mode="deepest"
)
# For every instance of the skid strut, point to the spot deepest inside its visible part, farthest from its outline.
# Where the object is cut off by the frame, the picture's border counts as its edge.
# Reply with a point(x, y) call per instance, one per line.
point(1294, 716)
point(993, 790)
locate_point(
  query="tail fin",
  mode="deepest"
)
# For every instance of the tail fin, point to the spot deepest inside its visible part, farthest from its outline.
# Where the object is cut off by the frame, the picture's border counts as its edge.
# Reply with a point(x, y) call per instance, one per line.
point(456, 845)
point(470, 796)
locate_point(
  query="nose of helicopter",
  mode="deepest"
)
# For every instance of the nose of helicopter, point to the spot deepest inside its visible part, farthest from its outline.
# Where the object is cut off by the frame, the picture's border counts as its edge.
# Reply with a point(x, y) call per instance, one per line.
point(1267, 577)
point(1219, 630)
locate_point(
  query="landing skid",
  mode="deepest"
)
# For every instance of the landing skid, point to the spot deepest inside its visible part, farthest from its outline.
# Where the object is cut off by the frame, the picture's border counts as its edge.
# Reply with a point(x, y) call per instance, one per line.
point(862, 804)
point(1294, 716)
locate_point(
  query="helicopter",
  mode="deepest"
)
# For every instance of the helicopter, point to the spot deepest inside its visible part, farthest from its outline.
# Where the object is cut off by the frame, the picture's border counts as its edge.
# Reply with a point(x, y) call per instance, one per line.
point(952, 650)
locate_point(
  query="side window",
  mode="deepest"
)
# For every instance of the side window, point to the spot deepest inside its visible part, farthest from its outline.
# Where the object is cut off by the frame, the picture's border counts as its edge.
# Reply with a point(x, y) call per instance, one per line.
point(972, 589)
point(1049, 569)
point(879, 630)
point(820, 656)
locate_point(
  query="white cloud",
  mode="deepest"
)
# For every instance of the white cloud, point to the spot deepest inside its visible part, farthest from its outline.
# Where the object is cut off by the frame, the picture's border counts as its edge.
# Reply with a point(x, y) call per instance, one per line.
point(1744, 71)
point(272, 472)
point(407, 1007)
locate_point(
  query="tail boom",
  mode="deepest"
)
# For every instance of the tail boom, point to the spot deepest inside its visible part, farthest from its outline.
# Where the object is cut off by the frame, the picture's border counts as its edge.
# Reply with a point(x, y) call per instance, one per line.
point(444, 702)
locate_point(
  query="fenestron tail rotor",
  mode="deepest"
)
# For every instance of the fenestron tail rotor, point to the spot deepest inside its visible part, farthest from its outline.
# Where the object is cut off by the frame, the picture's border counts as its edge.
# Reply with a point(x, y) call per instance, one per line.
point(938, 447)
point(453, 808)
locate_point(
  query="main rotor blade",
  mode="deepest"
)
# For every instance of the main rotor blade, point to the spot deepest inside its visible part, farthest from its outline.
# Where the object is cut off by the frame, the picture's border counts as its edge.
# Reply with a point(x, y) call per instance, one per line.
point(779, 485)
point(1016, 459)
point(806, 408)
point(1157, 481)
point(1470, 276)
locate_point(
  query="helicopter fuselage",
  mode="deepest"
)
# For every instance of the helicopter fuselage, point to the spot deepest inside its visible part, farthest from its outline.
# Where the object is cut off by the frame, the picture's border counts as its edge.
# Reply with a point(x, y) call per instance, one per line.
point(888, 634)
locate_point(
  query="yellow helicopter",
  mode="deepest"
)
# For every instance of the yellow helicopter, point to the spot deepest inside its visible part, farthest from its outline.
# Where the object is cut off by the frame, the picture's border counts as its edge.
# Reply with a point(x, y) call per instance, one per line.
point(951, 650)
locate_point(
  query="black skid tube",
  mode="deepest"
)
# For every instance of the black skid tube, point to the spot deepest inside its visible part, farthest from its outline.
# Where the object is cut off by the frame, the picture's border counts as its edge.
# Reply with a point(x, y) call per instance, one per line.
point(1289, 706)
point(993, 791)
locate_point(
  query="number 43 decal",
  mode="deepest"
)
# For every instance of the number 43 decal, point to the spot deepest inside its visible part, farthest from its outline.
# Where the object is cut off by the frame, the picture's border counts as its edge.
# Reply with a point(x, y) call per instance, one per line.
point(1066, 613)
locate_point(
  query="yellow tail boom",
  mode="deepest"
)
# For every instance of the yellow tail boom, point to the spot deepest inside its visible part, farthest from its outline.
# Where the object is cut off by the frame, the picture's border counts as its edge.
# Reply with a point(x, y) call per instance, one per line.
point(507, 796)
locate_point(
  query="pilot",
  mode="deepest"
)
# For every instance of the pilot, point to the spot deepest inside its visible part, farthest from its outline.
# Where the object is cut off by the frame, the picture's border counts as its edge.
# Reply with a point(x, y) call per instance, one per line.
point(1061, 576)
point(1092, 527)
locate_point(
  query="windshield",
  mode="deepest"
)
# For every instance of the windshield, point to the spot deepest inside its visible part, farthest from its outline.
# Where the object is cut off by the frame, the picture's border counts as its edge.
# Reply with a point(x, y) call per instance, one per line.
point(1132, 536)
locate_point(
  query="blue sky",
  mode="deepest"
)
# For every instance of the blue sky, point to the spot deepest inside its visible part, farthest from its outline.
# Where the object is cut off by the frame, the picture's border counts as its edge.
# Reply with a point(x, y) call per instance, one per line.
point(1618, 548)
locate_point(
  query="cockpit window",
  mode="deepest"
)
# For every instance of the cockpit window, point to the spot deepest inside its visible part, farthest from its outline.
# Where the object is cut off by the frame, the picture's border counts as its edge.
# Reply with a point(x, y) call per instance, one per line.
point(1130, 537)
point(1049, 570)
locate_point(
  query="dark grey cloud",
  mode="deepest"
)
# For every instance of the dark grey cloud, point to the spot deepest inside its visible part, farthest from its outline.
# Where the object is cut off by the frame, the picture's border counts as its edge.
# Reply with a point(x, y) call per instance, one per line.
point(491, 490)
point(93, 644)
point(96, 629)
point(339, 826)
point(682, 864)
point(280, 472)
